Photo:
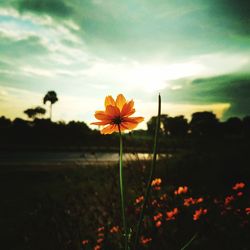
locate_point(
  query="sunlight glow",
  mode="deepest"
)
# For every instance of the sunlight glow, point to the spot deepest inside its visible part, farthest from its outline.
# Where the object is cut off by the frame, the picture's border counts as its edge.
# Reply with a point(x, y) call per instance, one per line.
point(154, 77)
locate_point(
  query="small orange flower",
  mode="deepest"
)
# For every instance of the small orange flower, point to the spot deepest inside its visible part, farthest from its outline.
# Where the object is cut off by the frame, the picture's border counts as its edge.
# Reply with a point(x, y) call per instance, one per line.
point(198, 213)
point(238, 185)
point(157, 216)
point(145, 240)
point(117, 115)
point(191, 201)
point(240, 193)
point(181, 190)
point(163, 197)
point(139, 199)
point(247, 210)
point(155, 203)
point(228, 200)
point(158, 223)
point(85, 242)
point(100, 229)
point(100, 240)
point(171, 214)
point(156, 182)
point(97, 247)
point(199, 200)
point(114, 229)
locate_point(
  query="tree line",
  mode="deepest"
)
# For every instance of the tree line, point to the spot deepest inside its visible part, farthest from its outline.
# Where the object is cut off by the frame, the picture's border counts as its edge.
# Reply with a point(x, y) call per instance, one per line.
point(201, 124)
point(44, 132)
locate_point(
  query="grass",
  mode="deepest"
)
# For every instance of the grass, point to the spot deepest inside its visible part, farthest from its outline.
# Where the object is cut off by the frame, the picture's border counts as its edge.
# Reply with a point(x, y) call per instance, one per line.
point(57, 208)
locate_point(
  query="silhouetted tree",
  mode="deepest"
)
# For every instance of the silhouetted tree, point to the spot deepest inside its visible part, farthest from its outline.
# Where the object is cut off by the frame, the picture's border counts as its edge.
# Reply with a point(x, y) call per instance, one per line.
point(4, 122)
point(204, 123)
point(30, 113)
point(51, 97)
point(233, 126)
point(151, 124)
point(175, 126)
point(40, 111)
point(246, 125)
point(33, 113)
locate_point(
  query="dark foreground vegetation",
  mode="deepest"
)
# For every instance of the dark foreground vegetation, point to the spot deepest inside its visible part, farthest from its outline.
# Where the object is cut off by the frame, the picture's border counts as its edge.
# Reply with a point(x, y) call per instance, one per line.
point(79, 208)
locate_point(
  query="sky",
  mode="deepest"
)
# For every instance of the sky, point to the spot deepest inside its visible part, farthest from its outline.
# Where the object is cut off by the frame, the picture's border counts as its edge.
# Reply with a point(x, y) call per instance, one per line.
point(195, 53)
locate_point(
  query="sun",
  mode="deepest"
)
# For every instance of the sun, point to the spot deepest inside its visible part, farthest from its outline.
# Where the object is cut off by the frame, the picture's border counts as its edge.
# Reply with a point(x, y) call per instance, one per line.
point(155, 77)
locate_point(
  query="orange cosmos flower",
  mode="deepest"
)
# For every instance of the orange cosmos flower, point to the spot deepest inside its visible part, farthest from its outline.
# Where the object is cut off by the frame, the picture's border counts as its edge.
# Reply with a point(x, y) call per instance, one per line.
point(157, 216)
point(114, 229)
point(228, 200)
point(171, 214)
point(117, 115)
point(181, 190)
point(198, 213)
point(238, 185)
point(139, 199)
point(85, 242)
point(247, 210)
point(100, 229)
point(156, 182)
point(158, 223)
point(97, 247)
point(145, 240)
point(191, 201)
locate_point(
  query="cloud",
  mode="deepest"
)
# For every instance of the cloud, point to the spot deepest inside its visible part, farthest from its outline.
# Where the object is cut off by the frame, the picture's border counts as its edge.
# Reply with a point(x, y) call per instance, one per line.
point(88, 49)
point(52, 7)
point(21, 48)
point(235, 13)
point(146, 30)
point(232, 88)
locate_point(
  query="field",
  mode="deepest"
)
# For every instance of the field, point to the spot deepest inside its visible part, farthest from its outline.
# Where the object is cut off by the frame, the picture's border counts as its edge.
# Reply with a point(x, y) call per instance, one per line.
point(78, 207)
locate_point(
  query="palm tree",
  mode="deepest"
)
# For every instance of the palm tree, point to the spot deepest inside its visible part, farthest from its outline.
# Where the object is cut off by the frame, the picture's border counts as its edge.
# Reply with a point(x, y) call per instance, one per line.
point(51, 96)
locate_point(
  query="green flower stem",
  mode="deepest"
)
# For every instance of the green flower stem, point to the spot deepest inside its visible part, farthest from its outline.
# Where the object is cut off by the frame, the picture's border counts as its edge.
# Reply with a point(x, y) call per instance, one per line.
point(122, 194)
point(189, 242)
point(152, 170)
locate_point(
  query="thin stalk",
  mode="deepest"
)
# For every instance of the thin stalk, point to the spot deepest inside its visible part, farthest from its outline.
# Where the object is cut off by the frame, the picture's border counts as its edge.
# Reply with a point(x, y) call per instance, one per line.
point(152, 170)
point(189, 242)
point(122, 194)
point(50, 115)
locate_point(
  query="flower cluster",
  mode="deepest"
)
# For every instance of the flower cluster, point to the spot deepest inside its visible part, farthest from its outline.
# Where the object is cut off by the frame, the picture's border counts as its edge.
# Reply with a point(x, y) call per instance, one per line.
point(156, 184)
point(181, 190)
point(191, 201)
point(198, 213)
point(171, 214)
point(167, 208)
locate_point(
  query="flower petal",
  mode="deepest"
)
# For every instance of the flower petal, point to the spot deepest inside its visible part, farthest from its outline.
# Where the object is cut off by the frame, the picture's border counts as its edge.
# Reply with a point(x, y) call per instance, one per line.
point(112, 111)
point(130, 123)
point(100, 123)
point(101, 115)
point(120, 101)
point(109, 129)
point(128, 109)
point(109, 100)
point(133, 119)
point(123, 127)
